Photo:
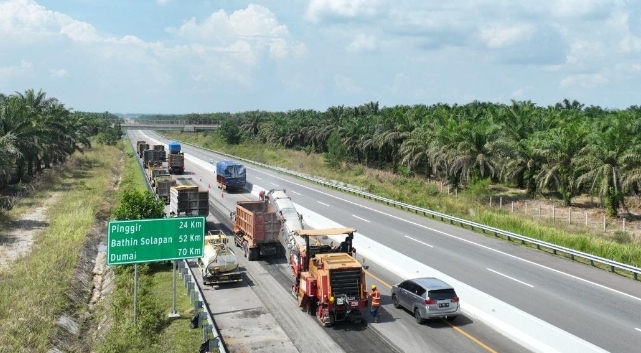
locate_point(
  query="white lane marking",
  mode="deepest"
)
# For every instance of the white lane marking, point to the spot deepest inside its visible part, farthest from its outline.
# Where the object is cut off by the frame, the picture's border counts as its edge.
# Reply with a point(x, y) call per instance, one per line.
point(294, 192)
point(259, 178)
point(418, 241)
point(514, 279)
point(458, 238)
point(362, 219)
point(274, 184)
point(638, 329)
point(322, 203)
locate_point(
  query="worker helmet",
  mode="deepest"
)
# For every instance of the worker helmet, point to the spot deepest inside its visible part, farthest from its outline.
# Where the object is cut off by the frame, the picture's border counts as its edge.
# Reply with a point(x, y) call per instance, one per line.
point(373, 286)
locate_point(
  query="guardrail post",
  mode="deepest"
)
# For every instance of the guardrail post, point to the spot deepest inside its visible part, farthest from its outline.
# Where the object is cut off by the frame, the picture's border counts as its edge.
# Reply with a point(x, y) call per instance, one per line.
point(490, 201)
point(512, 206)
point(190, 287)
point(570, 215)
point(624, 224)
point(539, 211)
point(553, 214)
point(501, 202)
point(604, 222)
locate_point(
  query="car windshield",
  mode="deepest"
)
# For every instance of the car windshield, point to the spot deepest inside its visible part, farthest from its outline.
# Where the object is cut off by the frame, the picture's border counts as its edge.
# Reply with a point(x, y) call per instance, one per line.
point(442, 294)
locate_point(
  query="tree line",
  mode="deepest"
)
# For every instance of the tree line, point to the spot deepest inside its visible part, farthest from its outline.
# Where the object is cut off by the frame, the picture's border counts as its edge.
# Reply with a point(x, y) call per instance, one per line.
point(566, 149)
point(37, 132)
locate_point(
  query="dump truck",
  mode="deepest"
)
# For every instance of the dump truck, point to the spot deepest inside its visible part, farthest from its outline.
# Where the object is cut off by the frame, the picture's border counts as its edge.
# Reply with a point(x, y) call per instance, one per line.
point(230, 175)
point(141, 148)
point(330, 285)
point(162, 185)
point(151, 158)
point(219, 263)
point(188, 200)
point(176, 163)
point(162, 154)
point(153, 170)
point(256, 229)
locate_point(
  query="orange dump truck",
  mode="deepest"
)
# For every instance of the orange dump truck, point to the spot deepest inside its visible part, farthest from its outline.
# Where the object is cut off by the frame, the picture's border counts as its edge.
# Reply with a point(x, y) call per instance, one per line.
point(256, 229)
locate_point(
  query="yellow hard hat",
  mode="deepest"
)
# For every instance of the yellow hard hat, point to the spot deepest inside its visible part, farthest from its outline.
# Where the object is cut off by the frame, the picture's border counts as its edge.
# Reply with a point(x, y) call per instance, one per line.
point(373, 286)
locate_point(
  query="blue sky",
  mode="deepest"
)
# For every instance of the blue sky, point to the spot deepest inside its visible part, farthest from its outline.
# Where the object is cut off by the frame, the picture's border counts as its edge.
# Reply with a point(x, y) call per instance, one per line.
point(184, 56)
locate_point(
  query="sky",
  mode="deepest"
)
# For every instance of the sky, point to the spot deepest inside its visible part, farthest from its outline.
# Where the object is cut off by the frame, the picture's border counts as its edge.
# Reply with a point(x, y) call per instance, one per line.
point(194, 56)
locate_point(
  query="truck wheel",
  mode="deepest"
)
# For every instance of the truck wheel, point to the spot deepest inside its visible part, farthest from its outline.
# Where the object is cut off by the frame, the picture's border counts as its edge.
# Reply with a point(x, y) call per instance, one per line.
point(253, 254)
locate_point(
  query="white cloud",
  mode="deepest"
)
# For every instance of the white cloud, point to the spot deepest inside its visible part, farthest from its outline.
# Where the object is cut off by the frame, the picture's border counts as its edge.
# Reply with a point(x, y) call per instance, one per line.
point(347, 85)
point(362, 42)
point(583, 81)
point(502, 35)
point(321, 9)
point(256, 26)
point(18, 71)
point(522, 93)
point(58, 73)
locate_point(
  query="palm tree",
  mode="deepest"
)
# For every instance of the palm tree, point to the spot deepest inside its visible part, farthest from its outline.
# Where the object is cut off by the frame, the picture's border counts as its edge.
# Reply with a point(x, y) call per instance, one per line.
point(612, 154)
point(558, 148)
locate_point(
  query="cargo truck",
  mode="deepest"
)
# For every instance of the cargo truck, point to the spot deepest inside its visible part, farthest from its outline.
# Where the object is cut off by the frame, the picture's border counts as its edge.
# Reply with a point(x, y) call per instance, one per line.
point(153, 170)
point(141, 146)
point(162, 184)
point(151, 158)
point(188, 200)
point(176, 163)
point(219, 264)
point(256, 229)
point(230, 175)
point(162, 155)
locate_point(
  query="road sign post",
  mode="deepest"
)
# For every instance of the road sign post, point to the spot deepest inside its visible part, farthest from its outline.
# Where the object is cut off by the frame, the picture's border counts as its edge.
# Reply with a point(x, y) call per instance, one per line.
point(150, 240)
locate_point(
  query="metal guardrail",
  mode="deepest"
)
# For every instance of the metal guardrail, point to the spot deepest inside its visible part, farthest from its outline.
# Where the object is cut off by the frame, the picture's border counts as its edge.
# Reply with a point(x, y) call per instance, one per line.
point(613, 265)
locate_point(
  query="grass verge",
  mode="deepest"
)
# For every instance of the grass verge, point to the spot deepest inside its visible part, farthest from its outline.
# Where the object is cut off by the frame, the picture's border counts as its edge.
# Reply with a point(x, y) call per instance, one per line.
point(34, 291)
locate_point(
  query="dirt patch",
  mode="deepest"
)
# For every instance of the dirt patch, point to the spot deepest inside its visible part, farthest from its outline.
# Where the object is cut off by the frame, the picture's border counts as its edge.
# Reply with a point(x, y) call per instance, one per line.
point(17, 239)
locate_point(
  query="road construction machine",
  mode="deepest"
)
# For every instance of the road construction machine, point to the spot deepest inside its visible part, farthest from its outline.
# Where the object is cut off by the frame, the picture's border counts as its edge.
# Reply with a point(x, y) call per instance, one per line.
point(219, 264)
point(330, 285)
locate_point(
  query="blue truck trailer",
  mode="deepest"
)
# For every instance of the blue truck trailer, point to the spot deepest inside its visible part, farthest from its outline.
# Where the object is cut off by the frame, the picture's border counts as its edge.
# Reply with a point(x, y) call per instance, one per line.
point(230, 175)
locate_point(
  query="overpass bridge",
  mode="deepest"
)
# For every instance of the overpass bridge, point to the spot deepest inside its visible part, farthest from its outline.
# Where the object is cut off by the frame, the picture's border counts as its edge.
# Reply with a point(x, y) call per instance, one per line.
point(176, 126)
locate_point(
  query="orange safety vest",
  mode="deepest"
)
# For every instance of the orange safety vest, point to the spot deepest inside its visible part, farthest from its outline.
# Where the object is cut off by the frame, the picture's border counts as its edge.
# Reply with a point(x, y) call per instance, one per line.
point(376, 298)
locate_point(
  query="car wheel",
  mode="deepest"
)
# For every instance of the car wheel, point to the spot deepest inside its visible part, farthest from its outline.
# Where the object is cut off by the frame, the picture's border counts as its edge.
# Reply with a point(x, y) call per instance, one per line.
point(417, 316)
point(397, 305)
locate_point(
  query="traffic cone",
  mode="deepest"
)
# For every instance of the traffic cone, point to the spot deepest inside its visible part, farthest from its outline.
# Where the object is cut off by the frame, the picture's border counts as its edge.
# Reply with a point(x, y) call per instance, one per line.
point(222, 194)
point(209, 186)
point(201, 179)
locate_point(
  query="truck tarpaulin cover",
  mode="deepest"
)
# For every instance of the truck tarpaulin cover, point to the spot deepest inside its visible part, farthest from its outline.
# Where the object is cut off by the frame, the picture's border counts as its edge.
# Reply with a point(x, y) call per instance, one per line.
point(231, 170)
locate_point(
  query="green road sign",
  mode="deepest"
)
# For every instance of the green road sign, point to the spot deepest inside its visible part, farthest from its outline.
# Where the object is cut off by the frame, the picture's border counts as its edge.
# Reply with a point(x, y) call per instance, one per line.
point(148, 240)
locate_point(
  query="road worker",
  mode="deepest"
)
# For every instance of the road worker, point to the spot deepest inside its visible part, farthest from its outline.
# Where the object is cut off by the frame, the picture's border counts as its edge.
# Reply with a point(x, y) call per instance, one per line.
point(376, 302)
point(261, 195)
